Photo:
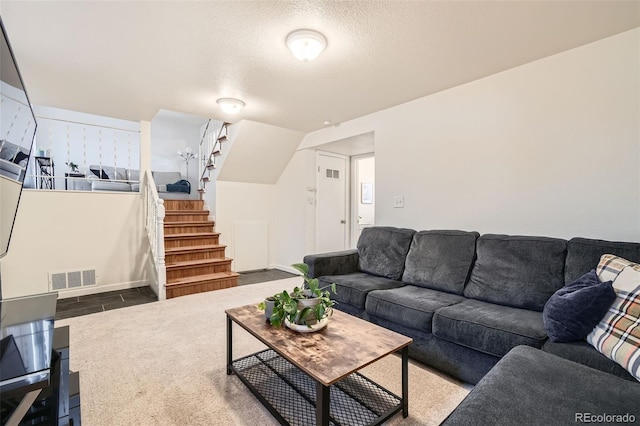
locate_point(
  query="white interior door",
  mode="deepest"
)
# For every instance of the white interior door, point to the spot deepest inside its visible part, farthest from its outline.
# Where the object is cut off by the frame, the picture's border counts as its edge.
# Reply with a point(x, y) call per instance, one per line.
point(331, 202)
point(363, 201)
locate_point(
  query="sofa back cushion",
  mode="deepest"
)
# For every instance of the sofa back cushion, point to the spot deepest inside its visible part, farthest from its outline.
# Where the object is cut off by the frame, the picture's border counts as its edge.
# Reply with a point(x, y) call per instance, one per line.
point(133, 175)
point(117, 173)
point(517, 271)
point(382, 250)
point(583, 254)
point(440, 260)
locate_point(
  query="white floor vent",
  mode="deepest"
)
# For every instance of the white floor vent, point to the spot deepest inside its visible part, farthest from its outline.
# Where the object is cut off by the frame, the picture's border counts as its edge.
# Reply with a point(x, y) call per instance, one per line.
point(72, 279)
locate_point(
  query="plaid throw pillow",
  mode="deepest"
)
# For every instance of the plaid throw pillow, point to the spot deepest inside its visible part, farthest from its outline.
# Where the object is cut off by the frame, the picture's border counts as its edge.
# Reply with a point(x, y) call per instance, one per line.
point(611, 265)
point(617, 336)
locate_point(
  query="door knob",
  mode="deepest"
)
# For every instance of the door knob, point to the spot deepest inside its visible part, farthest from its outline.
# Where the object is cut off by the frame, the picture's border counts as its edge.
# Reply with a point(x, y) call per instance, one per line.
point(343, 221)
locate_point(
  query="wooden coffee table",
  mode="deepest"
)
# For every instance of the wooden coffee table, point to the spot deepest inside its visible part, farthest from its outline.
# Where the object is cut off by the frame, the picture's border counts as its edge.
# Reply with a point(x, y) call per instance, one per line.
point(307, 378)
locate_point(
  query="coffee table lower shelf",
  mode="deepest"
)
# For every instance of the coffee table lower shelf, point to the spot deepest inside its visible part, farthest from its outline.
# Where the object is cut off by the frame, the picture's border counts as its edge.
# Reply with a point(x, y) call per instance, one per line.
point(290, 395)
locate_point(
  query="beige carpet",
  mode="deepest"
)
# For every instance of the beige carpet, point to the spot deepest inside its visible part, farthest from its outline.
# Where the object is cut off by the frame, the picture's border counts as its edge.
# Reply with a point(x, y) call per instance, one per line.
point(164, 364)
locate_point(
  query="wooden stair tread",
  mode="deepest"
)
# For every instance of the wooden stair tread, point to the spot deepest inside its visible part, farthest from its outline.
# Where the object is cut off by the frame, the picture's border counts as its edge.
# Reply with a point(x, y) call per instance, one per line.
point(192, 235)
point(187, 212)
point(199, 262)
point(187, 249)
point(190, 223)
point(199, 278)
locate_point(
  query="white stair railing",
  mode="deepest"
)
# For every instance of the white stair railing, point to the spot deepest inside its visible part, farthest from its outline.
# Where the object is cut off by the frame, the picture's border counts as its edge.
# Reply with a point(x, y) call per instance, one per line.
point(210, 150)
point(154, 226)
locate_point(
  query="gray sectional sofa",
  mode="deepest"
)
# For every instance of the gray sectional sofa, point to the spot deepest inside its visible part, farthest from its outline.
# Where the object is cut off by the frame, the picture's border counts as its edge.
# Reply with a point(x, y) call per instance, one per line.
point(109, 178)
point(13, 160)
point(469, 300)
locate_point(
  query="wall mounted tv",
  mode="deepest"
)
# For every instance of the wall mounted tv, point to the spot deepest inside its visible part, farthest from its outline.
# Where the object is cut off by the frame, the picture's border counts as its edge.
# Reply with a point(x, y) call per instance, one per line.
point(17, 130)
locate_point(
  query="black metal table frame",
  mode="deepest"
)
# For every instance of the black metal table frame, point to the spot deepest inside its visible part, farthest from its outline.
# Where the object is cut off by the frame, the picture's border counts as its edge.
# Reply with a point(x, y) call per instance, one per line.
point(322, 391)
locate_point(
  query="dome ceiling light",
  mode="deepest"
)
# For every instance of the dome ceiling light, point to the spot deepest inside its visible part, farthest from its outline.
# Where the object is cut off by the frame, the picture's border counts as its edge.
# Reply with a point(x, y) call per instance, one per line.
point(230, 105)
point(306, 45)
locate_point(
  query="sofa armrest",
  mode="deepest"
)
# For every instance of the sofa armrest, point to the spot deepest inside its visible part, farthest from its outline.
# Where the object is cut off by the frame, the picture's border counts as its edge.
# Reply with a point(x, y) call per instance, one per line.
point(334, 263)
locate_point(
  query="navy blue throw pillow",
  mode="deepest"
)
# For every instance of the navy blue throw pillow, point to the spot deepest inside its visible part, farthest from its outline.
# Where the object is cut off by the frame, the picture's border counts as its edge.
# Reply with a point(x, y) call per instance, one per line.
point(100, 173)
point(574, 310)
point(20, 156)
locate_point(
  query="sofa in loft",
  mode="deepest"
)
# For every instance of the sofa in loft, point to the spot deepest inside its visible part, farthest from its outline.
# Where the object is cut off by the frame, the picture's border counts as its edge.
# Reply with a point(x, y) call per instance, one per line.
point(13, 160)
point(474, 307)
point(170, 185)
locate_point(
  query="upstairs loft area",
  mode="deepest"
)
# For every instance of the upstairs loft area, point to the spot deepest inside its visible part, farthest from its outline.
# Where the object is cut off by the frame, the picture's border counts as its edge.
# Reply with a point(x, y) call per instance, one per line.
point(74, 151)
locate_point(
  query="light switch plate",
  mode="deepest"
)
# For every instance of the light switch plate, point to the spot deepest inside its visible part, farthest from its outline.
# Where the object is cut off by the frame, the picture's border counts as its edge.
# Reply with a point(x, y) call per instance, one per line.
point(398, 201)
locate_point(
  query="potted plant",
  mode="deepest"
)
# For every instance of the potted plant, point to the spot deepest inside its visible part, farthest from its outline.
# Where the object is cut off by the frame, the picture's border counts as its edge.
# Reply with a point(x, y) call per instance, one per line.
point(309, 305)
point(73, 167)
point(267, 306)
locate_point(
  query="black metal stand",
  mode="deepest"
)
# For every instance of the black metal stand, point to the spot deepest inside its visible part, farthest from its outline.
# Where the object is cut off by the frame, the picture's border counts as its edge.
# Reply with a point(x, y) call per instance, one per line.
point(71, 175)
point(45, 172)
point(294, 398)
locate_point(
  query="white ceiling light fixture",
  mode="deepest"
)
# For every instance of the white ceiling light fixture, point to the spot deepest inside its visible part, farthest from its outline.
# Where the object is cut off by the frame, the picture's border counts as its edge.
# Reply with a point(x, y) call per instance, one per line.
point(230, 105)
point(306, 45)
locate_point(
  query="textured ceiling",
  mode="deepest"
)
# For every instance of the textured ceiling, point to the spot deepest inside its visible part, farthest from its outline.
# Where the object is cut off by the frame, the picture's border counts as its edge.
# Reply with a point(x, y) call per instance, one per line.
point(130, 59)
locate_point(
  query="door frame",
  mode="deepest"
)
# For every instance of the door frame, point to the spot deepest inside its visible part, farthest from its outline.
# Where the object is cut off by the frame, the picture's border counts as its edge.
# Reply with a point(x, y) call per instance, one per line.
point(347, 194)
point(354, 200)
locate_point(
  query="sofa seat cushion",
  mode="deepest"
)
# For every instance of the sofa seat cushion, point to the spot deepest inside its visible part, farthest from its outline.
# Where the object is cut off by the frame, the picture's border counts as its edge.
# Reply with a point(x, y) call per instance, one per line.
point(106, 185)
point(583, 353)
point(517, 271)
point(531, 387)
point(409, 306)
point(440, 260)
point(489, 328)
point(383, 250)
point(353, 288)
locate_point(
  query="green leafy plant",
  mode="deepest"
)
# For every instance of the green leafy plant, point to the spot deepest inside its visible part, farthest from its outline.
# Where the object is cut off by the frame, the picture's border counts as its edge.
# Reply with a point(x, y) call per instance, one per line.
point(73, 166)
point(311, 286)
point(287, 306)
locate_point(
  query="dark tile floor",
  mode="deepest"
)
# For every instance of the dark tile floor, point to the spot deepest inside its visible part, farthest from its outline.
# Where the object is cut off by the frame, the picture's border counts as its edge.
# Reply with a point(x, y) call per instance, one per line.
point(262, 275)
point(92, 303)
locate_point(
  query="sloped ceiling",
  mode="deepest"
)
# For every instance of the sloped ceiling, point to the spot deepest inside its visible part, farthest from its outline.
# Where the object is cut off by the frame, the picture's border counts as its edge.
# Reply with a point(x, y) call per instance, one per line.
point(258, 152)
point(130, 59)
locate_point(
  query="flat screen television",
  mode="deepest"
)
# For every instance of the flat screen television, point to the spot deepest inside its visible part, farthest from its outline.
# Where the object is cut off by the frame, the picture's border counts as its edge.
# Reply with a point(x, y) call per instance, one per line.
point(17, 130)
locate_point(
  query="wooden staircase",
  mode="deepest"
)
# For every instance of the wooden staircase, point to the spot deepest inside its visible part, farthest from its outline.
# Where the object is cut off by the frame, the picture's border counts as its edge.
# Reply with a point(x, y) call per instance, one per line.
point(195, 260)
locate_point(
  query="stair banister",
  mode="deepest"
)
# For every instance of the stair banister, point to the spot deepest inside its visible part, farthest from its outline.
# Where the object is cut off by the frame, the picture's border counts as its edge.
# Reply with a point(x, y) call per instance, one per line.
point(211, 151)
point(154, 226)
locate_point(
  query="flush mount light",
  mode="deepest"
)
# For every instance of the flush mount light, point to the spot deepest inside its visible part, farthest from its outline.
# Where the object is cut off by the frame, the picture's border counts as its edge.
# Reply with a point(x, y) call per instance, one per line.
point(306, 45)
point(230, 105)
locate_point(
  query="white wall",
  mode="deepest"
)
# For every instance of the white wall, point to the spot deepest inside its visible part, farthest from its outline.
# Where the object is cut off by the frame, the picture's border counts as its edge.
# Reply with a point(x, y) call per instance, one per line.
point(84, 139)
point(260, 153)
point(244, 203)
point(59, 231)
point(366, 174)
point(244, 192)
point(172, 132)
point(548, 148)
point(295, 211)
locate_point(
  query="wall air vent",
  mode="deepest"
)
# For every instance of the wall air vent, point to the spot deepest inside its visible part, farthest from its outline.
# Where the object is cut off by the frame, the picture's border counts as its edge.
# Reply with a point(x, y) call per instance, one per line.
point(68, 280)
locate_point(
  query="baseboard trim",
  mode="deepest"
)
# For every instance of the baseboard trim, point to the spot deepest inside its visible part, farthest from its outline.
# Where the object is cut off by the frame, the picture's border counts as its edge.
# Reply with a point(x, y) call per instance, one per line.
point(285, 268)
point(66, 294)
